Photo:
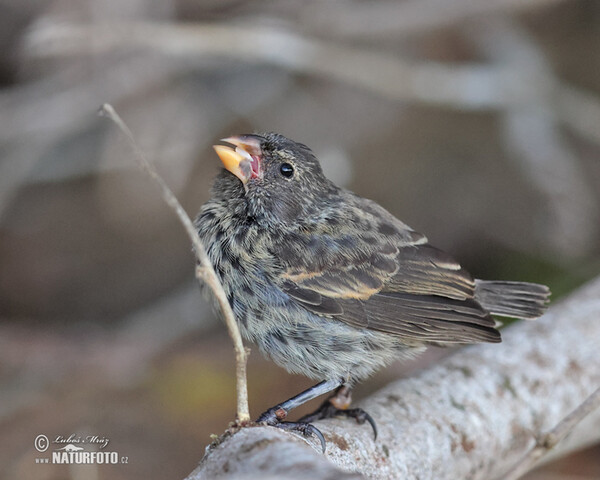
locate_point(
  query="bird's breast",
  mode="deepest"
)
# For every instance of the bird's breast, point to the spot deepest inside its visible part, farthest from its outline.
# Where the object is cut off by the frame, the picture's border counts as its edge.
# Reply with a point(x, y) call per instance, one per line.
point(238, 251)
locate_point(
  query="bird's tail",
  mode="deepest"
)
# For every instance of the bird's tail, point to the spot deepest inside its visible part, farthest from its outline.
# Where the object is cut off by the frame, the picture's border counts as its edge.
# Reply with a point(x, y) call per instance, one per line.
point(512, 299)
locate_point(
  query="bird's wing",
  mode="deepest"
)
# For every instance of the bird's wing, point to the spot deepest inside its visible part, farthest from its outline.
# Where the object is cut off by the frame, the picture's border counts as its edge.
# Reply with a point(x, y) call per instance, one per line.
point(385, 281)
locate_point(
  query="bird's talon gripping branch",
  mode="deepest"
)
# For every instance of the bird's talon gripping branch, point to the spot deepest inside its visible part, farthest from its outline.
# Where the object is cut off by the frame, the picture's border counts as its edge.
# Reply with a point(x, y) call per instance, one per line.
point(306, 429)
point(337, 406)
point(361, 417)
point(274, 418)
point(328, 410)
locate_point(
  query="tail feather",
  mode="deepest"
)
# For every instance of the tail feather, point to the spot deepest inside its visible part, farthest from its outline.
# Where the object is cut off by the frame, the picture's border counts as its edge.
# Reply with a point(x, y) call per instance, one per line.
point(512, 299)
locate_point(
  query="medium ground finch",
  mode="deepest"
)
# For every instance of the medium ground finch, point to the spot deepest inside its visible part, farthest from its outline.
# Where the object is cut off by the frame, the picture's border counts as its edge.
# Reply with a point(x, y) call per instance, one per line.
point(331, 285)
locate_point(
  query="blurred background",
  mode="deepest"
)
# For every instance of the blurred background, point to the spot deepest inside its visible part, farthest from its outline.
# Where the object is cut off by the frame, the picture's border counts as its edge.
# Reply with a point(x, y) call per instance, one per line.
point(475, 122)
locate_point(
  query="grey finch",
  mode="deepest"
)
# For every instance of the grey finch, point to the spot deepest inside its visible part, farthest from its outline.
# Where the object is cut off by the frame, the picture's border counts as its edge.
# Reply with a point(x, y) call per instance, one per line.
point(331, 285)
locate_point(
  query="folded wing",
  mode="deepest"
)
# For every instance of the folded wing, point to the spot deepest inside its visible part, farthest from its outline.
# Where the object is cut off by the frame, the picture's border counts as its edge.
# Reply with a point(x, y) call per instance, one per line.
point(397, 284)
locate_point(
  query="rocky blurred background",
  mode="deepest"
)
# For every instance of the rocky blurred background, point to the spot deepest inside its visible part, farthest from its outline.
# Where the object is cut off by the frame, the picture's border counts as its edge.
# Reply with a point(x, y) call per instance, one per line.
point(476, 122)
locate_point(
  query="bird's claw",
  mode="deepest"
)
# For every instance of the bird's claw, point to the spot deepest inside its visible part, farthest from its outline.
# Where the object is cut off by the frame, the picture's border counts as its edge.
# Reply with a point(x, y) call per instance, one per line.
point(327, 410)
point(306, 429)
point(361, 417)
point(274, 418)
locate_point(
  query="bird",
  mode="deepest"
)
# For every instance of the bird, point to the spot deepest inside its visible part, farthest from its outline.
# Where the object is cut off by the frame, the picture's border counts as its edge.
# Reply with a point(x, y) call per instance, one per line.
point(329, 284)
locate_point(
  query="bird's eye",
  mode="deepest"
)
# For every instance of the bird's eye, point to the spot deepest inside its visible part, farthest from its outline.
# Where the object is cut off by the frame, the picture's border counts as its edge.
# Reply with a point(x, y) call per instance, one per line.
point(286, 170)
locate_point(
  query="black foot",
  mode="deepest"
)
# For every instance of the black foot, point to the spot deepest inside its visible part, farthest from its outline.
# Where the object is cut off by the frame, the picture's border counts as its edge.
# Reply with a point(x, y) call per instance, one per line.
point(327, 410)
point(274, 418)
point(305, 429)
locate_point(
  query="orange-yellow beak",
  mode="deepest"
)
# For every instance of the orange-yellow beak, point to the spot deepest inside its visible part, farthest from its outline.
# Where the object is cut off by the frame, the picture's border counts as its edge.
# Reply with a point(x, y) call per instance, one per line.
point(244, 161)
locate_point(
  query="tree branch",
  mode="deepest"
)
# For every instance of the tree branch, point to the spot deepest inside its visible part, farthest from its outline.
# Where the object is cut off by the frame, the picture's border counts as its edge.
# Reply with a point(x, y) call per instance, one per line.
point(471, 416)
point(428, 82)
point(204, 271)
point(391, 19)
point(549, 440)
point(499, 87)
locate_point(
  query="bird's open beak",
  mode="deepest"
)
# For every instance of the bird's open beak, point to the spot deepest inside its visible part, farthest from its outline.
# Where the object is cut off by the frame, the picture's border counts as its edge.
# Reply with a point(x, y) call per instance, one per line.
point(244, 161)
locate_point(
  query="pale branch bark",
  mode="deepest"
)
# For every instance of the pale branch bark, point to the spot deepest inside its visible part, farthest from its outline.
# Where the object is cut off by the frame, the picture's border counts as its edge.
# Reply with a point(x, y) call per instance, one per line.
point(204, 271)
point(472, 416)
point(548, 441)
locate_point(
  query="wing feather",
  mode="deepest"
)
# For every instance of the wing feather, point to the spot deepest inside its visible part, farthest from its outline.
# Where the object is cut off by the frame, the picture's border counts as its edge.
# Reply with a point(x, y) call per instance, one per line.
point(391, 281)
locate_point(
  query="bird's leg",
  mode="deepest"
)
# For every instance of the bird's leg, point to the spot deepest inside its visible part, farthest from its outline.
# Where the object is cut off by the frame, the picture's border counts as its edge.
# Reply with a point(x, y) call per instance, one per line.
point(337, 405)
point(276, 415)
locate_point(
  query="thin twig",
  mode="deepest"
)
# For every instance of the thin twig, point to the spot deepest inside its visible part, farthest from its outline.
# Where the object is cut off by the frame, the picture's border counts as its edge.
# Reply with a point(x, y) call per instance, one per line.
point(204, 271)
point(549, 440)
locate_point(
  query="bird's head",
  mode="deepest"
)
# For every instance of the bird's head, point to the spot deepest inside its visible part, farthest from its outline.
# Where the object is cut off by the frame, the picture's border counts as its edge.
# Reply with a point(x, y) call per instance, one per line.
point(282, 180)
